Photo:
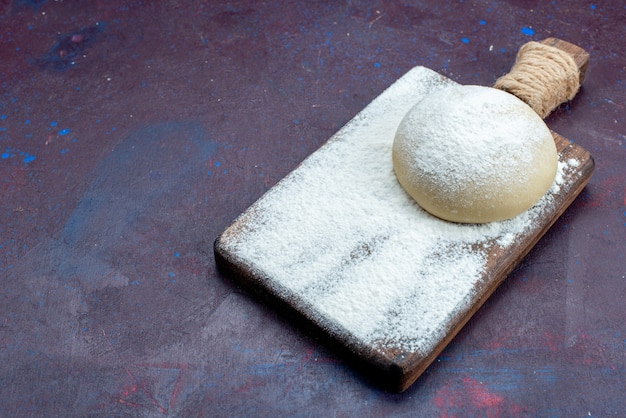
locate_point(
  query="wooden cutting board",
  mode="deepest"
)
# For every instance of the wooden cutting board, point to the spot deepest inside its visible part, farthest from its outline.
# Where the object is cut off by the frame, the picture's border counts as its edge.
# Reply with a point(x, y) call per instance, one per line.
point(341, 249)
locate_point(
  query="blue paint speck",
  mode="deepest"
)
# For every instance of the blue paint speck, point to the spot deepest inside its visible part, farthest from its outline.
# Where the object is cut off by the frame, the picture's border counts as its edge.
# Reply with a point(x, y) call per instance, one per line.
point(482, 22)
point(592, 7)
point(465, 40)
point(209, 173)
point(29, 158)
point(176, 255)
point(27, 121)
point(528, 31)
point(53, 124)
point(64, 131)
point(377, 64)
point(171, 274)
point(3, 116)
point(217, 164)
point(5, 155)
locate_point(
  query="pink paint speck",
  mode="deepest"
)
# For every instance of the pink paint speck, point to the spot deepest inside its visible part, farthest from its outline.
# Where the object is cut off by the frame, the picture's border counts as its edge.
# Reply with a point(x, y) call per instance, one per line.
point(471, 397)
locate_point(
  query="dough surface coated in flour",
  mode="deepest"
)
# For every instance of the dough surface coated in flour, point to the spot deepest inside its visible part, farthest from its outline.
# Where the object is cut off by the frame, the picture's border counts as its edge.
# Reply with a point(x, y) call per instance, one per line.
point(474, 154)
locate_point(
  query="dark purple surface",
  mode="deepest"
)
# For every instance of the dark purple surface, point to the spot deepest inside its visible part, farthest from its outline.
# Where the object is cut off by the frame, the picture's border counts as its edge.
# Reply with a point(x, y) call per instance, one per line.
point(133, 133)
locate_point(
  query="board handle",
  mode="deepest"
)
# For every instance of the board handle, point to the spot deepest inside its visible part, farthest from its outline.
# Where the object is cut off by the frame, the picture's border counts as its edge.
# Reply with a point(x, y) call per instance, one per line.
point(546, 74)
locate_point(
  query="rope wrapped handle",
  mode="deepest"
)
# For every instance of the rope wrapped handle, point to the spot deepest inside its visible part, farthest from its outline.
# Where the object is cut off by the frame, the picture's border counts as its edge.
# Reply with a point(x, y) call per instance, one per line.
point(546, 74)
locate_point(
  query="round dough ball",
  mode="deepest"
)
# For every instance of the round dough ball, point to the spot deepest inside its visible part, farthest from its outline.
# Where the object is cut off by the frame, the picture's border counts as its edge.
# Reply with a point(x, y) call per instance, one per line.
point(474, 154)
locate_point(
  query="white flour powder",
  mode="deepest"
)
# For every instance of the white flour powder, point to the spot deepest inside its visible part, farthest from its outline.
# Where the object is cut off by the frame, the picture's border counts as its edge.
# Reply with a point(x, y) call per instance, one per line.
point(341, 237)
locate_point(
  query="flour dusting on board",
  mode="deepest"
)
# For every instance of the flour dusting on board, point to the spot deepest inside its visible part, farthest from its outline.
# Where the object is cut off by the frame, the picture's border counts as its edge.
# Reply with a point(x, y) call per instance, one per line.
point(340, 236)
